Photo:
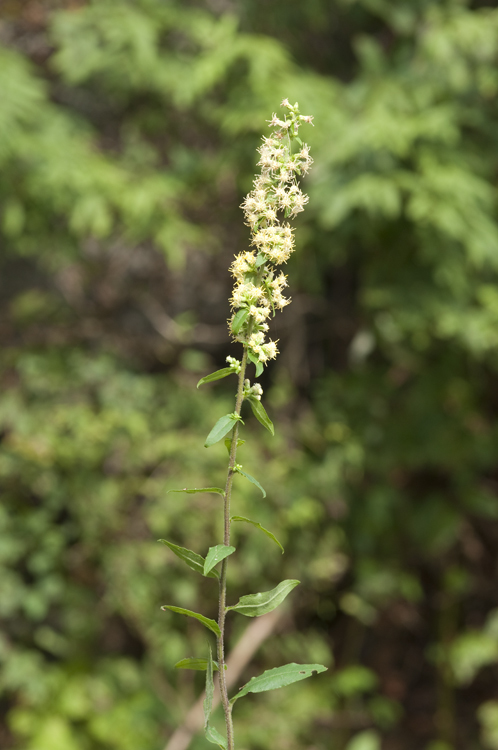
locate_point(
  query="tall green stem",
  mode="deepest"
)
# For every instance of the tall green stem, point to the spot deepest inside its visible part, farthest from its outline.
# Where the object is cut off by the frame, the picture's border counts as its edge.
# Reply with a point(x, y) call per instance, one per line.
point(226, 540)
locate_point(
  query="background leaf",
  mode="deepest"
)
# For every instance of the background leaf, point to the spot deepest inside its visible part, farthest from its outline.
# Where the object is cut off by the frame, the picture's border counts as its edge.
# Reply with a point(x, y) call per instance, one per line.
point(370, 740)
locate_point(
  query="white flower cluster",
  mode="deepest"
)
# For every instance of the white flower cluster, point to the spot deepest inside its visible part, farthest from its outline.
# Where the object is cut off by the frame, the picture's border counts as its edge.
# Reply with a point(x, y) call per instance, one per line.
point(235, 363)
point(252, 391)
point(275, 196)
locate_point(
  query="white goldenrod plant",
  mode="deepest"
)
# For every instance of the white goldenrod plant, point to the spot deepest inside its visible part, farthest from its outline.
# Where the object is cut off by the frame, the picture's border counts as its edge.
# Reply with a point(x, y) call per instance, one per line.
point(256, 296)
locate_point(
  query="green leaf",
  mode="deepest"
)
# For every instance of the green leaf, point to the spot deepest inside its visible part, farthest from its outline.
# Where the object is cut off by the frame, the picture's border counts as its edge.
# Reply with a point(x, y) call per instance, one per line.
point(210, 624)
point(192, 491)
point(279, 677)
point(259, 365)
point(261, 259)
point(218, 375)
point(215, 555)
point(191, 662)
point(215, 737)
point(239, 319)
point(192, 559)
point(297, 138)
point(208, 700)
point(258, 526)
point(222, 426)
point(251, 479)
point(228, 443)
point(211, 733)
point(254, 605)
point(259, 412)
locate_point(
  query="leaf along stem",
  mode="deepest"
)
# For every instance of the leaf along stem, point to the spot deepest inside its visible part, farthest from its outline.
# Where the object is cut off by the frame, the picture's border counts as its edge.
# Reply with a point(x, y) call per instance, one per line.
point(226, 540)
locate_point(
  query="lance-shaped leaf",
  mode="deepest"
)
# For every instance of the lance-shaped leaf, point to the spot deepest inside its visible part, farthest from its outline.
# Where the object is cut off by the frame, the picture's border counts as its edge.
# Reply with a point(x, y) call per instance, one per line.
point(208, 700)
point(259, 365)
point(254, 605)
point(239, 319)
point(215, 555)
point(221, 428)
point(215, 738)
point(210, 624)
point(192, 559)
point(279, 677)
point(259, 412)
point(228, 444)
point(251, 479)
point(211, 733)
point(192, 662)
point(193, 490)
point(258, 526)
point(218, 375)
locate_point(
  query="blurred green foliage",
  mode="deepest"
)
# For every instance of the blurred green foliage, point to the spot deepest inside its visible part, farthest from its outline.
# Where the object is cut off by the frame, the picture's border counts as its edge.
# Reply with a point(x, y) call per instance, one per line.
point(127, 140)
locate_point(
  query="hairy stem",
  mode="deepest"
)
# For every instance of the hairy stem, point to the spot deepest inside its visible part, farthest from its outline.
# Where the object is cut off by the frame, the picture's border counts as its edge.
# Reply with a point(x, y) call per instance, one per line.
point(226, 540)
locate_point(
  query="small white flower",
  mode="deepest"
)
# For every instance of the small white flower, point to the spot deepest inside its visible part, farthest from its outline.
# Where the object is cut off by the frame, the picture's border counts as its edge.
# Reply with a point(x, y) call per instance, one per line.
point(286, 200)
point(279, 300)
point(242, 265)
point(284, 176)
point(270, 350)
point(276, 123)
point(300, 200)
point(246, 294)
point(256, 339)
point(259, 313)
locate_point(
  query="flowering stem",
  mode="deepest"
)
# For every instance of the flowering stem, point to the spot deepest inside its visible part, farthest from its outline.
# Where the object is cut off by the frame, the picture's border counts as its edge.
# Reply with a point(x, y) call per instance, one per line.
point(226, 540)
point(256, 295)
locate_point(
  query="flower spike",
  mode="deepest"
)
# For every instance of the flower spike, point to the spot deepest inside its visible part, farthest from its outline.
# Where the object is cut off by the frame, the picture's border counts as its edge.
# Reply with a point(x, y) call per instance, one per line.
point(275, 196)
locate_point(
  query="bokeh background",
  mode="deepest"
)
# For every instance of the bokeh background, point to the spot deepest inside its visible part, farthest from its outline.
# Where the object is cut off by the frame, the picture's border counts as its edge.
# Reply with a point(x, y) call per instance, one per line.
point(127, 142)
